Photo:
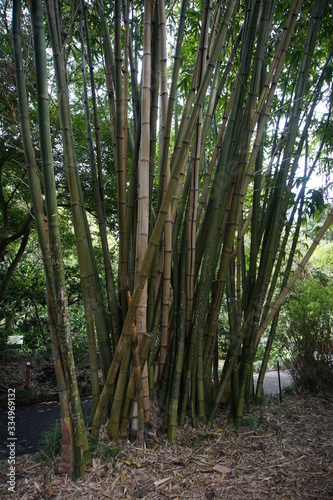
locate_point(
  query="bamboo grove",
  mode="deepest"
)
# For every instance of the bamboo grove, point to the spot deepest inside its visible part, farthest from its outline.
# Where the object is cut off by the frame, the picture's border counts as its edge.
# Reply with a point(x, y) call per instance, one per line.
point(213, 133)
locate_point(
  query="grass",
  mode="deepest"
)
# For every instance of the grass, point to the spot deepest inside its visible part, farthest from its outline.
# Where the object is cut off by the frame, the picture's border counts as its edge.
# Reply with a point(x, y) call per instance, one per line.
point(50, 445)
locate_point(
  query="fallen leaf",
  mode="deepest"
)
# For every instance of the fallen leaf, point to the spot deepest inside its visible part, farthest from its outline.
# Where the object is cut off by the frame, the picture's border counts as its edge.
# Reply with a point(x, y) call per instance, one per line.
point(222, 469)
point(137, 464)
point(261, 436)
point(37, 487)
point(159, 482)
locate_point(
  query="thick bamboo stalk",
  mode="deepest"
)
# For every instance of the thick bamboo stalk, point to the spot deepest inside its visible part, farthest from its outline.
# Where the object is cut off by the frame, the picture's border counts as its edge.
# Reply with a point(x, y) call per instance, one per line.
point(87, 263)
point(130, 391)
point(35, 192)
point(143, 171)
point(119, 394)
point(80, 444)
point(164, 179)
point(120, 164)
point(109, 73)
point(273, 235)
point(196, 153)
point(143, 211)
point(176, 165)
point(276, 65)
point(97, 181)
point(88, 312)
point(180, 295)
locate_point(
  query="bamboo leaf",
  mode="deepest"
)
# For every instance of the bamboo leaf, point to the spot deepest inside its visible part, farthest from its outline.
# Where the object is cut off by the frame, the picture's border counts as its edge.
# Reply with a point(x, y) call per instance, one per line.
point(222, 469)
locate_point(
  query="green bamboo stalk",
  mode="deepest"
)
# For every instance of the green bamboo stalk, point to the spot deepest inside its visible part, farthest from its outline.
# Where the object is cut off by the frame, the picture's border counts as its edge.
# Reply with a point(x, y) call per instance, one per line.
point(193, 198)
point(173, 89)
point(176, 381)
point(176, 165)
point(80, 444)
point(154, 327)
point(130, 391)
point(154, 107)
point(262, 110)
point(270, 241)
point(117, 404)
point(131, 211)
point(93, 361)
point(120, 166)
point(138, 388)
point(109, 72)
point(35, 191)
point(164, 179)
point(97, 181)
point(87, 263)
point(143, 213)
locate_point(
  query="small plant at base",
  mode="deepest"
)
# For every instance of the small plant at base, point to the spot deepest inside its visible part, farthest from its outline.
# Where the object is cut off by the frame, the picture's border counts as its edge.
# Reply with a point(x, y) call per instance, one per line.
point(50, 446)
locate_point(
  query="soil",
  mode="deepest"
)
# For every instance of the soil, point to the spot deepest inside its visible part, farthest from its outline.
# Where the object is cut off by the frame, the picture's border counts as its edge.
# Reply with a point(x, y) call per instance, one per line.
point(283, 451)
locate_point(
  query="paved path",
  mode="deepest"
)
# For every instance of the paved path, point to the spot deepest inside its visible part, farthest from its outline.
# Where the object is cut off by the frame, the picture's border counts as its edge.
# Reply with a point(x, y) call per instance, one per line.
point(271, 382)
point(32, 421)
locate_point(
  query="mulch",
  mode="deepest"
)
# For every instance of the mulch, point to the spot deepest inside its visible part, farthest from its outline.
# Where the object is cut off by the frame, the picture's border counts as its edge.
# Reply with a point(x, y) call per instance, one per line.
point(283, 451)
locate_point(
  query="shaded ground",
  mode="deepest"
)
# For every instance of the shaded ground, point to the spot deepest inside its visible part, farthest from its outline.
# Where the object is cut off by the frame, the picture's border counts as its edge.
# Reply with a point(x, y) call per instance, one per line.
point(33, 420)
point(285, 450)
point(31, 423)
point(43, 385)
point(42, 379)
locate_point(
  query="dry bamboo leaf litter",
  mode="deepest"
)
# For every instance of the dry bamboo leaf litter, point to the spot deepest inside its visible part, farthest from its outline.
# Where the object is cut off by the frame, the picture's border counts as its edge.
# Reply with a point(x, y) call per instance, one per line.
point(285, 450)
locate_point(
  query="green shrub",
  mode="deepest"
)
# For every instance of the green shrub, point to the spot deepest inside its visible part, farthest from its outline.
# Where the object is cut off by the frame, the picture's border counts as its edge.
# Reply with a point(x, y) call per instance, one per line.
point(309, 333)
